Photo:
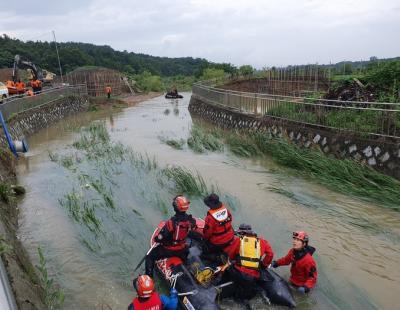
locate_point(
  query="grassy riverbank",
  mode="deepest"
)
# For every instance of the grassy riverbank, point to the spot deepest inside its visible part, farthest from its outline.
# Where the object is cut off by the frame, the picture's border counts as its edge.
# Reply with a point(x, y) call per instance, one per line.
point(345, 176)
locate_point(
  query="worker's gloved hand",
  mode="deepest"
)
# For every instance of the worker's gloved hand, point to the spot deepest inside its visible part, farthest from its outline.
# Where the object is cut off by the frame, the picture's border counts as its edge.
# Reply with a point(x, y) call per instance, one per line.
point(303, 290)
point(173, 293)
point(274, 264)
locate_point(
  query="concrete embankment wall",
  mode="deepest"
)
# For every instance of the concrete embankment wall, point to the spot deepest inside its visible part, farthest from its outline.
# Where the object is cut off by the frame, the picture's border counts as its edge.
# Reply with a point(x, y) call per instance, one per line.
point(31, 121)
point(21, 274)
point(381, 154)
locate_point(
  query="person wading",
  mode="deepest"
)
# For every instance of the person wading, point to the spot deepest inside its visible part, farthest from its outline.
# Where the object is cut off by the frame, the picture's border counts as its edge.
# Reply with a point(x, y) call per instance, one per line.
point(172, 237)
point(303, 271)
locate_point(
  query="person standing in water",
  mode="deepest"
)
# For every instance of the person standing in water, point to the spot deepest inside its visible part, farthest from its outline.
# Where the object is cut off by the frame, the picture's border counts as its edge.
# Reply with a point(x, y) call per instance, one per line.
point(303, 270)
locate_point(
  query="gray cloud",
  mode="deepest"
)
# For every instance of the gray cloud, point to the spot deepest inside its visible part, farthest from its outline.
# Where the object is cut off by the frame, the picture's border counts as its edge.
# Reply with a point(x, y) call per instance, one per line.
point(257, 32)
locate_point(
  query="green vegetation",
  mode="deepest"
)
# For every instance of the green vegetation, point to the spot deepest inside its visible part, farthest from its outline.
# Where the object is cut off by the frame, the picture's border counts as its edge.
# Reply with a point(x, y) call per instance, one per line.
point(74, 55)
point(94, 141)
point(246, 70)
point(81, 211)
point(294, 112)
point(186, 182)
point(345, 176)
point(53, 296)
point(202, 140)
point(148, 82)
point(6, 193)
point(211, 73)
point(363, 121)
point(181, 82)
point(384, 77)
point(176, 144)
point(4, 246)
point(241, 146)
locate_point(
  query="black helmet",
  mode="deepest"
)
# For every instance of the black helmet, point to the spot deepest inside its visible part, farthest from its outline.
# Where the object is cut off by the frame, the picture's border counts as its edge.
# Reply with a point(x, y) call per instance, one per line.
point(212, 201)
point(245, 229)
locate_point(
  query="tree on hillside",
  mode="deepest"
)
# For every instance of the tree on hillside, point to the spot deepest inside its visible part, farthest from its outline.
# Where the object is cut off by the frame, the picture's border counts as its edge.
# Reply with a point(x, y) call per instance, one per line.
point(74, 55)
point(211, 73)
point(246, 70)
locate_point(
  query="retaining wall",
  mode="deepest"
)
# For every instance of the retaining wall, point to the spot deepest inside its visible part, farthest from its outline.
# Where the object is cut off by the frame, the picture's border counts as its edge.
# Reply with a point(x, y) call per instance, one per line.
point(30, 121)
point(383, 154)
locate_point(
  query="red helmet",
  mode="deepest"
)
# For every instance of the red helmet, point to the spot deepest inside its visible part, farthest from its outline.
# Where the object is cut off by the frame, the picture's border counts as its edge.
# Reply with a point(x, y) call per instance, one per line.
point(301, 235)
point(181, 203)
point(144, 286)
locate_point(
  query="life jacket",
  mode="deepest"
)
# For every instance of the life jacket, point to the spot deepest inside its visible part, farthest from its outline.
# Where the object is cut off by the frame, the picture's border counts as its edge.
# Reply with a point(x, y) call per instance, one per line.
point(224, 220)
point(249, 252)
point(180, 230)
point(151, 303)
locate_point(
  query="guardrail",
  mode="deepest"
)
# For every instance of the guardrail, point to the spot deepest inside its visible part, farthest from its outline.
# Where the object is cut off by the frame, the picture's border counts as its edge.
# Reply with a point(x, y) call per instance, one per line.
point(375, 118)
point(16, 104)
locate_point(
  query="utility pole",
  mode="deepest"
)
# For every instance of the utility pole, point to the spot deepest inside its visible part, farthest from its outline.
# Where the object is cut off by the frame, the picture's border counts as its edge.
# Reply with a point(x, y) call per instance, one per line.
point(58, 56)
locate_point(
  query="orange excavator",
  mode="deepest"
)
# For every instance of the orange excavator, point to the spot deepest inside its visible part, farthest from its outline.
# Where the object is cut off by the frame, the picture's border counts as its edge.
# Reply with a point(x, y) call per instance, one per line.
point(15, 86)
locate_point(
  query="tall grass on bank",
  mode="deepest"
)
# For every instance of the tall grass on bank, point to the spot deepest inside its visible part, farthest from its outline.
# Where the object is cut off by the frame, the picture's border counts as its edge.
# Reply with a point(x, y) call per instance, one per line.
point(343, 175)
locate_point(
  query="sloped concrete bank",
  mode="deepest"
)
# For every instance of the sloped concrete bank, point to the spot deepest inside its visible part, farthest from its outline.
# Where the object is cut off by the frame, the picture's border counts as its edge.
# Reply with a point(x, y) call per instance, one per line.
point(381, 154)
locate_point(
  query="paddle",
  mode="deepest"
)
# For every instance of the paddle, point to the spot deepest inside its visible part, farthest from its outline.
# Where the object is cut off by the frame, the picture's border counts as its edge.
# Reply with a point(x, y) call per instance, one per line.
point(148, 252)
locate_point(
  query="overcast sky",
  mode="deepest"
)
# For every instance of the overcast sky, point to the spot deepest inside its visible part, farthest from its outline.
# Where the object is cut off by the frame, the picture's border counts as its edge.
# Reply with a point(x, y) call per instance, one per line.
point(257, 32)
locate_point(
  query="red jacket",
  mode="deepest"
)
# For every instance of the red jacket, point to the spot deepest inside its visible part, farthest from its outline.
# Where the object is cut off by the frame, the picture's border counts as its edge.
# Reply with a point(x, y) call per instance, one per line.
point(266, 255)
point(151, 303)
point(218, 228)
point(175, 231)
point(303, 271)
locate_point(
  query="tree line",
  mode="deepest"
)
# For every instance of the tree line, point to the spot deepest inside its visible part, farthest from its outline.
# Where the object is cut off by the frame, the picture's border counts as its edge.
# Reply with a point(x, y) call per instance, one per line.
point(74, 55)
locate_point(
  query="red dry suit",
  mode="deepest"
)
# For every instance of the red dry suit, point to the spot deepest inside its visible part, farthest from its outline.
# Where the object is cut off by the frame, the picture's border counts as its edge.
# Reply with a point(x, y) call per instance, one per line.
point(303, 271)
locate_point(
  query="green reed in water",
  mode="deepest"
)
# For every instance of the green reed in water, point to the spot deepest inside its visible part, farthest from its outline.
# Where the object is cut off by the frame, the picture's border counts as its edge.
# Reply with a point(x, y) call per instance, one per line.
point(185, 181)
point(176, 144)
point(204, 140)
point(53, 296)
point(345, 176)
point(67, 161)
point(81, 211)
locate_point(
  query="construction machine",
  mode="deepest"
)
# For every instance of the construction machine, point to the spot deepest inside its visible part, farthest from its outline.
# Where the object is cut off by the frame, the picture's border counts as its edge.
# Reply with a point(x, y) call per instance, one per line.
point(36, 76)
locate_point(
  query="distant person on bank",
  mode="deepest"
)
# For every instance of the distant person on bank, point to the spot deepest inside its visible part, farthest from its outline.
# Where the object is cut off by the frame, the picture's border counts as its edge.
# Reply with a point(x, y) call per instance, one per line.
point(108, 91)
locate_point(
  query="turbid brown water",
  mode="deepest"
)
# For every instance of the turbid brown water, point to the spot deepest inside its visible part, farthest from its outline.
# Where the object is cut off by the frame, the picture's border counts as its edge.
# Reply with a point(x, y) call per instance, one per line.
point(357, 243)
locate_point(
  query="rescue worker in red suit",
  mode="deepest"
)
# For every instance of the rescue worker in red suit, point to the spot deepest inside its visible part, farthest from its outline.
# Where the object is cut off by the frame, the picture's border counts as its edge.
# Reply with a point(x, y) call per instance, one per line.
point(250, 256)
point(303, 272)
point(172, 237)
point(148, 299)
point(218, 232)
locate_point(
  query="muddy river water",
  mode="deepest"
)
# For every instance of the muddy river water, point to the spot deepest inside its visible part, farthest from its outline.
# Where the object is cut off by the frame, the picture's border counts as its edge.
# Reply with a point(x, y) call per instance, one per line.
point(358, 243)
